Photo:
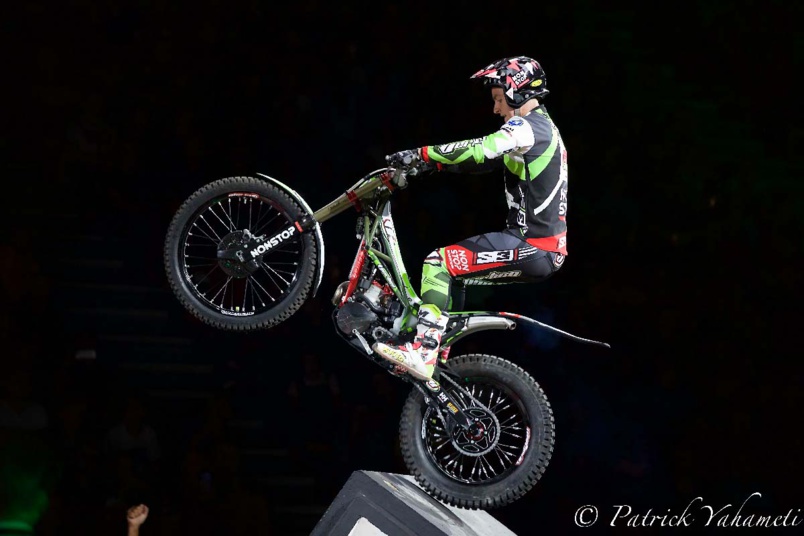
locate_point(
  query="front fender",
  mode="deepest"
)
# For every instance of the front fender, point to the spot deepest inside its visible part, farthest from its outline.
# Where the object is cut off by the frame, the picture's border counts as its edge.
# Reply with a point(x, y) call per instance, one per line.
point(319, 238)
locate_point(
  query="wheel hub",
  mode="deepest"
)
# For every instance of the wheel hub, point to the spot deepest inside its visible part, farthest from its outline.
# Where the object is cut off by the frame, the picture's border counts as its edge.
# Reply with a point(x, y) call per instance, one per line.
point(476, 431)
point(481, 437)
point(233, 268)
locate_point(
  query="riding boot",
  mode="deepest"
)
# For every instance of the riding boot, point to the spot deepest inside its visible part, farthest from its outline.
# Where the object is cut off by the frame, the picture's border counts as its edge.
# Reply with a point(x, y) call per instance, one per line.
point(419, 357)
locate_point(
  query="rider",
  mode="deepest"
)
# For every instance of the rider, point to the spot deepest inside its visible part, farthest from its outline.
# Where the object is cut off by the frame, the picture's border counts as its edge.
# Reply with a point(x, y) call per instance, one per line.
point(529, 149)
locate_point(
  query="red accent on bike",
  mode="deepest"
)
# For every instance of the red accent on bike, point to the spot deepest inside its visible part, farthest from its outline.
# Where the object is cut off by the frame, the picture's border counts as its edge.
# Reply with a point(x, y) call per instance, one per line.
point(386, 180)
point(354, 200)
point(299, 227)
point(354, 273)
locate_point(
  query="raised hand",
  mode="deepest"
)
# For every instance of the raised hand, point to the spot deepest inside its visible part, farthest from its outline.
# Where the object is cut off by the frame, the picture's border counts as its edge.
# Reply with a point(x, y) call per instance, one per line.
point(137, 515)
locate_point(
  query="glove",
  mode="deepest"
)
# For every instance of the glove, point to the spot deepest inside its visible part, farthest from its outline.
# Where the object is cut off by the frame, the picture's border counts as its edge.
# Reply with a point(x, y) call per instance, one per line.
point(411, 163)
point(404, 160)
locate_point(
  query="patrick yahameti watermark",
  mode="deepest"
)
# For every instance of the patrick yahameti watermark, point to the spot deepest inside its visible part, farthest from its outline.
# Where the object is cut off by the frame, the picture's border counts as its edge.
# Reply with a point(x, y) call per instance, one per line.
point(696, 513)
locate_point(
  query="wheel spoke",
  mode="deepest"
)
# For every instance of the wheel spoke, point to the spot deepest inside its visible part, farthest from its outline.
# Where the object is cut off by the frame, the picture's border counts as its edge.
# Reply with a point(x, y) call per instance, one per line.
point(214, 267)
point(266, 224)
point(212, 211)
point(266, 268)
point(223, 287)
point(202, 234)
point(256, 225)
point(211, 228)
point(228, 213)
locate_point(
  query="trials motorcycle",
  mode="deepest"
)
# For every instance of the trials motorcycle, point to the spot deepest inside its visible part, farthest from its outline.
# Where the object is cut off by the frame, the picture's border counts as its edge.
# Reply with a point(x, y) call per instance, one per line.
point(244, 253)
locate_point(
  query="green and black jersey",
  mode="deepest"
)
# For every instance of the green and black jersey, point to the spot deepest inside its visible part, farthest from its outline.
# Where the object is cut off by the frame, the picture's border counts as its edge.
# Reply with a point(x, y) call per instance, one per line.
point(535, 170)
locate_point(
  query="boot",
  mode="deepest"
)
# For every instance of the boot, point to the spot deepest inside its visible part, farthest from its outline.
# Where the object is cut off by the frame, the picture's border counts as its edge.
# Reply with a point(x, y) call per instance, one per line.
point(419, 357)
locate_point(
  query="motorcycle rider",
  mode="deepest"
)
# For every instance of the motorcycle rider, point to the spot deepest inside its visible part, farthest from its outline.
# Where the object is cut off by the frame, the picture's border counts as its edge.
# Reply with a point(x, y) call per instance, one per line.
point(531, 248)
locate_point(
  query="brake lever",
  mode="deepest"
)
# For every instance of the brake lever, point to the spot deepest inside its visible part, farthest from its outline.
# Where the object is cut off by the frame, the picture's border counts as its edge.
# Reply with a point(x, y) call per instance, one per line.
point(400, 179)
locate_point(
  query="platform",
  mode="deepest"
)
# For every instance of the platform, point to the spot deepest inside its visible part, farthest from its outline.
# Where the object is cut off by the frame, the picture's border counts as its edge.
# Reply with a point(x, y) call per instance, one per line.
point(389, 504)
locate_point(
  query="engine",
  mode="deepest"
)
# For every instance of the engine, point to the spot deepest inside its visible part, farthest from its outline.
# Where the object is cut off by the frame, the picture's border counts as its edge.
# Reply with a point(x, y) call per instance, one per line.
point(355, 316)
point(371, 311)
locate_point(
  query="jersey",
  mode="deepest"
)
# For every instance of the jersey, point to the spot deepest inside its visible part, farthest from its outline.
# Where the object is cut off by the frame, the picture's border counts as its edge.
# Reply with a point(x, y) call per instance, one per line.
point(535, 172)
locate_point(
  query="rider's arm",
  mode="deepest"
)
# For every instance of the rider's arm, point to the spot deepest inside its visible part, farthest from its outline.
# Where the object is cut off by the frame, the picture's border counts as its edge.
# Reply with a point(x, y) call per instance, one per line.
point(481, 154)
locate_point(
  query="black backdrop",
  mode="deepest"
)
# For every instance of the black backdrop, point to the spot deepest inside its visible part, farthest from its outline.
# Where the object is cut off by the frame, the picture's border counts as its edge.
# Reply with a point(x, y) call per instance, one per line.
point(684, 216)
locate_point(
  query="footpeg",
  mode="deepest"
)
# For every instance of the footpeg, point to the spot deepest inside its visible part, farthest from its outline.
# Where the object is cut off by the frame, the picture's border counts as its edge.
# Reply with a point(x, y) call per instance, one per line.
point(365, 344)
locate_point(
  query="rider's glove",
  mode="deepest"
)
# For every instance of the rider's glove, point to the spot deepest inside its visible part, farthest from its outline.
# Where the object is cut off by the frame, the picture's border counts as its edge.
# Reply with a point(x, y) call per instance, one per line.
point(412, 162)
point(404, 160)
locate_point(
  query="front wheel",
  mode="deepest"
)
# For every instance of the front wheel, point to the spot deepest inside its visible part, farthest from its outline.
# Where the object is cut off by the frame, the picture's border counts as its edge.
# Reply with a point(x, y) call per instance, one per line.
point(502, 462)
point(227, 294)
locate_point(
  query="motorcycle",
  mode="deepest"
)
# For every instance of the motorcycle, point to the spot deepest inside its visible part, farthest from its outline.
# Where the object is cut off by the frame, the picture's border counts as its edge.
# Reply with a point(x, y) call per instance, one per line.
point(245, 253)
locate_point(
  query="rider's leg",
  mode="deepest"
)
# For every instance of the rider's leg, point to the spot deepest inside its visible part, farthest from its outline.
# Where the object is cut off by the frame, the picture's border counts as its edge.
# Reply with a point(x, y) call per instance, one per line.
point(419, 357)
point(487, 259)
point(499, 258)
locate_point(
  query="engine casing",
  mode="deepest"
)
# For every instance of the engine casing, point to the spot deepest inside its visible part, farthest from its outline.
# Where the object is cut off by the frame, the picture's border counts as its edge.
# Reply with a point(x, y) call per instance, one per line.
point(355, 315)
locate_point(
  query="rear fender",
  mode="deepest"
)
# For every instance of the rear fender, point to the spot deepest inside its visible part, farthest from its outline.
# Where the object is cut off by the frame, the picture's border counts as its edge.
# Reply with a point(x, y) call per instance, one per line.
point(464, 323)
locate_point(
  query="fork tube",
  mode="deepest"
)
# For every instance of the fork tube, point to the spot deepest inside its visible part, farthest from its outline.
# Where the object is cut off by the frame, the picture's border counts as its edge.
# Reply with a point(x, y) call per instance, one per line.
point(342, 202)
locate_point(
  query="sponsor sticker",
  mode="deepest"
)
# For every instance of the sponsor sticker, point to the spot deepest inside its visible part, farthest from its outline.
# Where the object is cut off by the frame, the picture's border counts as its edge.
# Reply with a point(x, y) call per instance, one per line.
point(499, 275)
point(457, 260)
point(488, 257)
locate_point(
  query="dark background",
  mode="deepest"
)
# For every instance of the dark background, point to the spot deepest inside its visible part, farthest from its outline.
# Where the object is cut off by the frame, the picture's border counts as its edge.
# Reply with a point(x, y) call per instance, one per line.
point(684, 249)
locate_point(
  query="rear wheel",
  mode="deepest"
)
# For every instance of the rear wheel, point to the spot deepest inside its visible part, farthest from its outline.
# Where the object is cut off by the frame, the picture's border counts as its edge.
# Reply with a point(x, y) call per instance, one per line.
point(508, 454)
point(236, 295)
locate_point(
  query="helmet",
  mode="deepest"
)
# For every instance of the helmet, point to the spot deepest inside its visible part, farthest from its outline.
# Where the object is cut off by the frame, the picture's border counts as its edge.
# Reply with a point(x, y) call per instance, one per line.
point(520, 77)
